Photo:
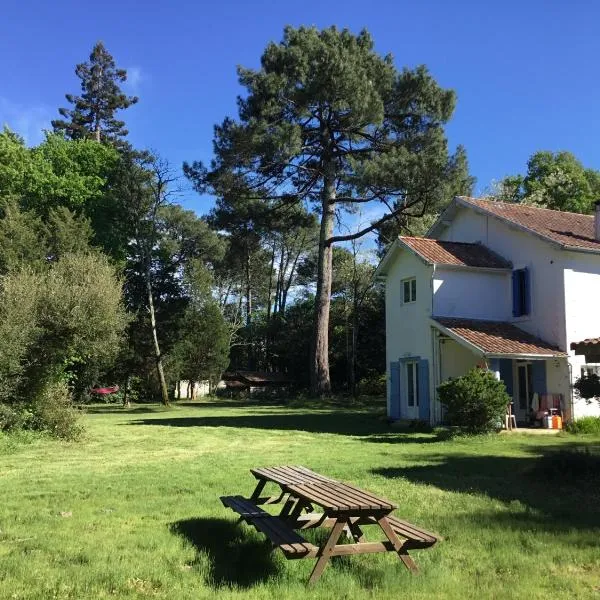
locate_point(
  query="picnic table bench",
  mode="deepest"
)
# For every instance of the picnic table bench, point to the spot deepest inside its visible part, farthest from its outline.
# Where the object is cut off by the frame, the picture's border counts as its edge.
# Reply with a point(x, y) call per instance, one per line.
point(345, 509)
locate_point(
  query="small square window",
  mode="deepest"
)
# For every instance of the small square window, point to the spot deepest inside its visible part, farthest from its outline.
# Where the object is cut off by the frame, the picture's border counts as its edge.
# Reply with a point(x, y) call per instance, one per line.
point(409, 290)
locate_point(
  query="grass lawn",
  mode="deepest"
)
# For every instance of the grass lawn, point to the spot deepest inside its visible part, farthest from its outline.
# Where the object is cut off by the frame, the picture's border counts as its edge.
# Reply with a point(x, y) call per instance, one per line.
point(133, 510)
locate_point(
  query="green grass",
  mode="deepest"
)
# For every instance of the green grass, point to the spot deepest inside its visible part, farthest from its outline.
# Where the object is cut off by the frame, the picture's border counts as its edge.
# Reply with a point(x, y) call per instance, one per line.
point(133, 510)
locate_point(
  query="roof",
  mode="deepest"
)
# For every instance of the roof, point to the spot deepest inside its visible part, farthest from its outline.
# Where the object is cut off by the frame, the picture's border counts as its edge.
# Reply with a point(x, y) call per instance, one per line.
point(458, 254)
point(496, 338)
point(572, 231)
point(589, 344)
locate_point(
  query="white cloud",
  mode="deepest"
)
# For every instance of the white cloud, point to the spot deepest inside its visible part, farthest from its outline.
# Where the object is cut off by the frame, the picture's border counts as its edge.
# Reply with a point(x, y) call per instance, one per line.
point(28, 121)
point(134, 79)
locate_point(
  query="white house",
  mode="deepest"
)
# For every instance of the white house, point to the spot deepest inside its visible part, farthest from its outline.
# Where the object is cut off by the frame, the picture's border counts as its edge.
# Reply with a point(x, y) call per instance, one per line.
point(507, 287)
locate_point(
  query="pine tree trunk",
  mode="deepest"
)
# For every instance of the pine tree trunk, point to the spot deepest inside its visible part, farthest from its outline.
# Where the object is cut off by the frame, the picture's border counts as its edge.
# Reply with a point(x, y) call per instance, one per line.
point(353, 345)
point(320, 381)
point(251, 363)
point(159, 366)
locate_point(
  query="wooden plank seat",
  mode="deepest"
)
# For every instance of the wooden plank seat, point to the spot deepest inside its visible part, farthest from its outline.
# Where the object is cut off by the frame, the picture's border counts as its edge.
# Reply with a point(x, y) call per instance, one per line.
point(281, 535)
point(416, 537)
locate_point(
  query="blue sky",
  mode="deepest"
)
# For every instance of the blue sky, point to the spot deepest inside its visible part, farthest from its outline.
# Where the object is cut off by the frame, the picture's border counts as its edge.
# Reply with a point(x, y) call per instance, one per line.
point(526, 73)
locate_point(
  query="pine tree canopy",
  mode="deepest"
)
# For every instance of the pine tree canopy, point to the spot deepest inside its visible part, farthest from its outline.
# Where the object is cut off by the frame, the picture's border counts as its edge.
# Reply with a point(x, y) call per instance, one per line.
point(93, 113)
point(326, 101)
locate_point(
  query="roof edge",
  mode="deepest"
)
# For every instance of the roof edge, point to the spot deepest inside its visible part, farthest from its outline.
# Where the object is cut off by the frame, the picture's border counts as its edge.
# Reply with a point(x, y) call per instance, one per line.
point(464, 202)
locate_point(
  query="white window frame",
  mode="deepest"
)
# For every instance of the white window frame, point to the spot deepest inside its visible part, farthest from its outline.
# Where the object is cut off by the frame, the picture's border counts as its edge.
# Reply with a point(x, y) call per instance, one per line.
point(412, 290)
point(412, 367)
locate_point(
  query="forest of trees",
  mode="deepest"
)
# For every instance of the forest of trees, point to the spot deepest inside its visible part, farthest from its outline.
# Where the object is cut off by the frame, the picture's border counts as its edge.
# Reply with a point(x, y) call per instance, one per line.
point(107, 279)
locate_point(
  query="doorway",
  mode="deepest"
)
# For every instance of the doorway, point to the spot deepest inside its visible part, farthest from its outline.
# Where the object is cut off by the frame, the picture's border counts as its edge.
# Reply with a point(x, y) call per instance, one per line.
point(524, 389)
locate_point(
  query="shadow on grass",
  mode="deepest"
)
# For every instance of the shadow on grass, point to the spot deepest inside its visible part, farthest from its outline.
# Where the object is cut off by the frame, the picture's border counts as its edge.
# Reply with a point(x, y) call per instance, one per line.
point(236, 558)
point(557, 501)
point(358, 423)
point(111, 409)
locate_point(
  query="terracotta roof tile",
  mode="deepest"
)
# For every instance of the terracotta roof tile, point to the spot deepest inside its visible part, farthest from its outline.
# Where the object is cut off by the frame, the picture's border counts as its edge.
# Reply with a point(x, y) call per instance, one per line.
point(497, 337)
point(565, 228)
point(455, 253)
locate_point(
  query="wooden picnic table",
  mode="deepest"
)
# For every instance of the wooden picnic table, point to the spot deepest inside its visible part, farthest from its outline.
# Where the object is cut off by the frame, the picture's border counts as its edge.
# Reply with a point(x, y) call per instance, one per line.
point(345, 509)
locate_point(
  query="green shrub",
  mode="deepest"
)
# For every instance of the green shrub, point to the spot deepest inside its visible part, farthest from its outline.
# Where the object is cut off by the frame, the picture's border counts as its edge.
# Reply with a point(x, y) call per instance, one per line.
point(374, 385)
point(584, 425)
point(53, 412)
point(475, 402)
point(11, 417)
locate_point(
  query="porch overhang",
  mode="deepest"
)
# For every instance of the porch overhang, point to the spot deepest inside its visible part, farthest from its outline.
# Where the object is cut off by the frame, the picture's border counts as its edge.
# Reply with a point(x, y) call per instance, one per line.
point(496, 339)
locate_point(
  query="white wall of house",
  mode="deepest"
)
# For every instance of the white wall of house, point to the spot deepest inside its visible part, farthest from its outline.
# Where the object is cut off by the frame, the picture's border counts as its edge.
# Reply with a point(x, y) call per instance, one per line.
point(582, 293)
point(408, 330)
point(470, 293)
point(523, 249)
point(200, 389)
point(455, 360)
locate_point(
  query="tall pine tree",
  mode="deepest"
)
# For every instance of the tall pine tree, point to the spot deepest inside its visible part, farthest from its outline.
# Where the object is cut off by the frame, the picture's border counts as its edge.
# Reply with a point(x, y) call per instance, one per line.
point(93, 113)
point(327, 120)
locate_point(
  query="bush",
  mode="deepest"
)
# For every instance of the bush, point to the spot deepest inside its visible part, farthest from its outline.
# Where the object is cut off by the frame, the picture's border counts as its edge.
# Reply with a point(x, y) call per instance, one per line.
point(476, 402)
point(584, 425)
point(11, 417)
point(53, 412)
point(374, 385)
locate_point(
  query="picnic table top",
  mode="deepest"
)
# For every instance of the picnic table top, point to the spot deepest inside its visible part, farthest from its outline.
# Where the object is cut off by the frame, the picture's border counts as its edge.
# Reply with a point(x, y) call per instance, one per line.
point(332, 495)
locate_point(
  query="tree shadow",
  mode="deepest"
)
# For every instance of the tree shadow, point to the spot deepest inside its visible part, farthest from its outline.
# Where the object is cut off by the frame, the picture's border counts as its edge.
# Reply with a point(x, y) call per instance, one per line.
point(358, 423)
point(557, 501)
point(237, 558)
point(110, 409)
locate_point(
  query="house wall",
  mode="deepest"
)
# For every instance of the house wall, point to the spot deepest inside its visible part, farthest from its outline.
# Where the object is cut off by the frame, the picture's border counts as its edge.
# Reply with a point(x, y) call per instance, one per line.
point(565, 287)
point(471, 294)
point(201, 388)
point(408, 330)
point(543, 260)
point(582, 294)
point(456, 360)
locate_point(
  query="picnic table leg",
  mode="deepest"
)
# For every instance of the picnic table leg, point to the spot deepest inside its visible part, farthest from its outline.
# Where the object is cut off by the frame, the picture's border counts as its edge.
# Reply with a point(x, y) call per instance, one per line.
point(356, 532)
point(398, 545)
point(326, 551)
point(260, 486)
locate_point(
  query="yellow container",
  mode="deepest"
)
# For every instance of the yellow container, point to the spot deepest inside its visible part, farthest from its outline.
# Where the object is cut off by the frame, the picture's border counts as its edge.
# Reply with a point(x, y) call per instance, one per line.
point(556, 422)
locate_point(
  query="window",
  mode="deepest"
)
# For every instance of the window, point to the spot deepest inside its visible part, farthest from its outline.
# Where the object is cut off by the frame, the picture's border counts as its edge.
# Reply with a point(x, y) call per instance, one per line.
point(521, 293)
point(590, 369)
point(409, 290)
point(412, 383)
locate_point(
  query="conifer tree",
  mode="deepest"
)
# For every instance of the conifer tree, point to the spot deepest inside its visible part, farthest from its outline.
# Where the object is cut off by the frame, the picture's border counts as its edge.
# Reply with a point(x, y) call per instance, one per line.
point(329, 121)
point(93, 113)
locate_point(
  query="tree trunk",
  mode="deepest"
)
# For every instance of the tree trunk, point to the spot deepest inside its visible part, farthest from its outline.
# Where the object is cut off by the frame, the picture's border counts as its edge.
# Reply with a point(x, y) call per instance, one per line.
point(126, 402)
point(320, 381)
point(159, 366)
point(353, 344)
point(251, 362)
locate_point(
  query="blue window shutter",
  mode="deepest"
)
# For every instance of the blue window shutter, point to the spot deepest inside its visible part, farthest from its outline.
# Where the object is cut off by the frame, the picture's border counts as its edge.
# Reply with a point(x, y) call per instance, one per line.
point(515, 294)
point(526, 292)
point(506, 374)
point(424, 390)
point(538, 376)
point(395, 390)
